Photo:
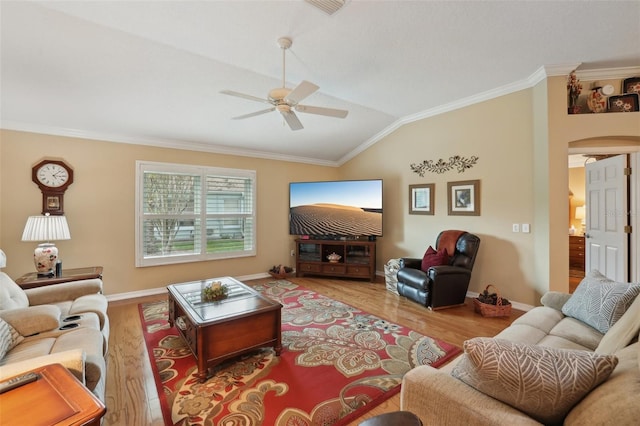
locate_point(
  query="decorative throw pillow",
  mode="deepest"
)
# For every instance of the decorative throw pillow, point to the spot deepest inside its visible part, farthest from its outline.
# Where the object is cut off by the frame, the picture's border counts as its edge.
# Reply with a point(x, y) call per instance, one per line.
point(599, 301)
point(9, 337)
point(434, 258)
point(543, 382)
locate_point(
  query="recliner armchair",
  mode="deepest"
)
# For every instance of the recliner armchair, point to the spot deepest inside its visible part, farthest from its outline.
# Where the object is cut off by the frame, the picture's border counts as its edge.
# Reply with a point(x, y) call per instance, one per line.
point(444, 285)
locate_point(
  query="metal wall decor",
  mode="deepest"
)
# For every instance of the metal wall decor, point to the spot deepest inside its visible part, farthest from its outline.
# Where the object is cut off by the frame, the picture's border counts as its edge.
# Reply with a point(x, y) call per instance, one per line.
point(458, 162)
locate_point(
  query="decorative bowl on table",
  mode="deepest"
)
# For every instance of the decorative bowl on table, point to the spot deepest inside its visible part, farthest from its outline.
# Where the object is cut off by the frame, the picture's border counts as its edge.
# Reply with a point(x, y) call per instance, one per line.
point(214, 291)
point(334, 257)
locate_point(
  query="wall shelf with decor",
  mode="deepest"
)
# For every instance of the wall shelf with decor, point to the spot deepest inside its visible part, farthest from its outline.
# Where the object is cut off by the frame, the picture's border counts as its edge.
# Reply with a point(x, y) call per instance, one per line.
point(603, 96)
point(348, 258)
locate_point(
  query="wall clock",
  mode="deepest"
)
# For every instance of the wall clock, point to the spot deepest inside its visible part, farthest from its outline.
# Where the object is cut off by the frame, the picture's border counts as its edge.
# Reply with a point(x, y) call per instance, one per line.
point(53, 177)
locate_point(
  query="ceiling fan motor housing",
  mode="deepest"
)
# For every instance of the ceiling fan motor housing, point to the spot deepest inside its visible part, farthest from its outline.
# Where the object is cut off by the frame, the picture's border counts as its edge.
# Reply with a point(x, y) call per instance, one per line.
point(279, 93)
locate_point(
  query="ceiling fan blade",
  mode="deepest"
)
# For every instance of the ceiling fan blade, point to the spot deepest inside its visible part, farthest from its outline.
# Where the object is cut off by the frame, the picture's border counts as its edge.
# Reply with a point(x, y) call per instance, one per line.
point(253, 114)
point(244, 96)
point(300, 92)
point(330, 112)
point(292, 120)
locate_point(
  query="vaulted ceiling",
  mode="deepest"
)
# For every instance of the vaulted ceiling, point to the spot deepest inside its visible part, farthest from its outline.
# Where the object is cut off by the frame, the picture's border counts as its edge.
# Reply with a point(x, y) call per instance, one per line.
point(151, 72)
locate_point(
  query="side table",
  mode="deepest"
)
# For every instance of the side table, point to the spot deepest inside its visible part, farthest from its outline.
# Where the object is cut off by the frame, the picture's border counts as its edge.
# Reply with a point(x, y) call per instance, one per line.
point(32, 280)
point(56, 398)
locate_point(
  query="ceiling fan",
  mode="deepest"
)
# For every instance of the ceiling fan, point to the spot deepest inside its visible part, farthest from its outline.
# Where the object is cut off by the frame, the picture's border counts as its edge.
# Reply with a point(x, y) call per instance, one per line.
point(285, 101)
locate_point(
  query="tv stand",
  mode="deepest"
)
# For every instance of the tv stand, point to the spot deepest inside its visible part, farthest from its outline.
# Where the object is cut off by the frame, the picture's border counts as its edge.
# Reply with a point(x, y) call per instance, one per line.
point(357, 258)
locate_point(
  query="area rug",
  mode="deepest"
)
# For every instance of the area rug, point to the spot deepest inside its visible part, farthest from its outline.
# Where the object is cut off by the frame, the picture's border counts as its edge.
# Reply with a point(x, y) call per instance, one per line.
point(337, 363)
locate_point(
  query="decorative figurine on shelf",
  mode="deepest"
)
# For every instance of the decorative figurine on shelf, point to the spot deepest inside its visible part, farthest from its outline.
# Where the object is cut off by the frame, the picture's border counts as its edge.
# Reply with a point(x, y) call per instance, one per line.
point(597, 101)
point(574, 88)
point(214, 291)
point(334, 257)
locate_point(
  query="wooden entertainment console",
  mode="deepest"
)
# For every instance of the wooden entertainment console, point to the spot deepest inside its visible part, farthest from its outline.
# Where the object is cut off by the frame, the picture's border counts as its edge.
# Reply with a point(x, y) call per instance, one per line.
point(357, 258)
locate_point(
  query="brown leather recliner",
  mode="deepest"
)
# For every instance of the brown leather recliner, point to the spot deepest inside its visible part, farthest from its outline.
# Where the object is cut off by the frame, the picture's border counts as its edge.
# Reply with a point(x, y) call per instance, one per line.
point(441, 286)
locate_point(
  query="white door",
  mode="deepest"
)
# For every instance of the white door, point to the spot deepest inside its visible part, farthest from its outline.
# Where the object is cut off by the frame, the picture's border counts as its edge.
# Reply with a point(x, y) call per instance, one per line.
point(606, 205)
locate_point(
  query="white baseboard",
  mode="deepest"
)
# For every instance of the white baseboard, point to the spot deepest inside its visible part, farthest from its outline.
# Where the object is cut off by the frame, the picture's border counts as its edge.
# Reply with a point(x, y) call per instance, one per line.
point(163, 290)
point(516, 305)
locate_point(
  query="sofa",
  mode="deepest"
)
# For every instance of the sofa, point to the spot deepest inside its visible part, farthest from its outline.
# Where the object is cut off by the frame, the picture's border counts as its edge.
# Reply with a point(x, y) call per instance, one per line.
point(64, 323)
point(573, 361)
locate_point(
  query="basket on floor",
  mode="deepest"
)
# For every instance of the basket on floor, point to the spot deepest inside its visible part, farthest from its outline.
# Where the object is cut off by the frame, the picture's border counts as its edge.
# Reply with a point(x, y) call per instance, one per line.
point(489, 310)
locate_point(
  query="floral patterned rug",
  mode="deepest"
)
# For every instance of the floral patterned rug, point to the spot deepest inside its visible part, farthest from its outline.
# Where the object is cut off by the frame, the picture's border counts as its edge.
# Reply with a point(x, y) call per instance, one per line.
point(337, 362)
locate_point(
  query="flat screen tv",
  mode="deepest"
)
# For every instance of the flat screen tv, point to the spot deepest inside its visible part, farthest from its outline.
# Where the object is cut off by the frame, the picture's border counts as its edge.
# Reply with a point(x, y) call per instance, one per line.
point(346, 208)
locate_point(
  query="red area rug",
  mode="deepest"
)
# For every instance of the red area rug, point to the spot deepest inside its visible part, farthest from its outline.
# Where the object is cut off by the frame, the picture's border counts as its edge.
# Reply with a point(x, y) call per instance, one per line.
point(337, 362)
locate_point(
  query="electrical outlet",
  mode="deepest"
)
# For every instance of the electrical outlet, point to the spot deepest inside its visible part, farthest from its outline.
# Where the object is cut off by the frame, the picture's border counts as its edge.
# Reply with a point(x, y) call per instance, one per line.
point(516, 227)
point(525, 228)
point(293, 253)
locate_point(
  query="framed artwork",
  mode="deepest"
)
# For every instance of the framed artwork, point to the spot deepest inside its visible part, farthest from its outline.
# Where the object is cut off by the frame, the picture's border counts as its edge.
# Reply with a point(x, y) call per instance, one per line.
point(623, 103)
point(631, 85)
point(464, 198)
point(421, 198)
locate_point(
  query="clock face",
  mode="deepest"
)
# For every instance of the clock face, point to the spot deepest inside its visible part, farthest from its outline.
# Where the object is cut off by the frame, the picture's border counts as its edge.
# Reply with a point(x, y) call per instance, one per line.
point(52, 175)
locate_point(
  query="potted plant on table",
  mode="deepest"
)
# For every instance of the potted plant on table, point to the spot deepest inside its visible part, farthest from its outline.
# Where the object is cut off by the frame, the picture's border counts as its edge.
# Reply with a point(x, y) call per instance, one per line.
point(215, 291)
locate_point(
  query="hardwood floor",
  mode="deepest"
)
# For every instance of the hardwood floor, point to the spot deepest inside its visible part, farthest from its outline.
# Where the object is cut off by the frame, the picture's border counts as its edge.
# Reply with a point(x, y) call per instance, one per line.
point(131, 395)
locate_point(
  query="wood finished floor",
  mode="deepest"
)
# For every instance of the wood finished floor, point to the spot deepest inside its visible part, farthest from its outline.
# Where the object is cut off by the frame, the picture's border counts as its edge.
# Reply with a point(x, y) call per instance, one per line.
point(131, 395)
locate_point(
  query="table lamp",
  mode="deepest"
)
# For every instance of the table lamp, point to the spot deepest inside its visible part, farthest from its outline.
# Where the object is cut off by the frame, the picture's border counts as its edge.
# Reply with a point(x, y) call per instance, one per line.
point(580, 215)
point(46, 228)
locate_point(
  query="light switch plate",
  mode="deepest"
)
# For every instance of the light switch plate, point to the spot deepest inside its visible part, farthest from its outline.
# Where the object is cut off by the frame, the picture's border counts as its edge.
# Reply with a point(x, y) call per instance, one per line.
point(525, 228)
point(516, 227)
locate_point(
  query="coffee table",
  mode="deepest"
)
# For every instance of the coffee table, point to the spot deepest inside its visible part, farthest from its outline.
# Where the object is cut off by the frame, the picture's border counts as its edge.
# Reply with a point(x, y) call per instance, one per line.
point(216, 331)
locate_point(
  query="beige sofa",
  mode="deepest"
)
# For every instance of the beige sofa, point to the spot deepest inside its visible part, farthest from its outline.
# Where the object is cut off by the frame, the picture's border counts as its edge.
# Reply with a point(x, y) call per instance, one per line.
point(441, 397)
point(64, 323)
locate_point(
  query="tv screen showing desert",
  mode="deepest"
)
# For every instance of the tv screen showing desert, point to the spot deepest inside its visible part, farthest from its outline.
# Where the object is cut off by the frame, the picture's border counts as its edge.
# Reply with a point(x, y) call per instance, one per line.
point(343, 208)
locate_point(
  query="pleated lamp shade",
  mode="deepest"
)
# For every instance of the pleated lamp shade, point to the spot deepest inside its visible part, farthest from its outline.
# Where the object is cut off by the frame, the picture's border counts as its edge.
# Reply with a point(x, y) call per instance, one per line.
point(46, 228)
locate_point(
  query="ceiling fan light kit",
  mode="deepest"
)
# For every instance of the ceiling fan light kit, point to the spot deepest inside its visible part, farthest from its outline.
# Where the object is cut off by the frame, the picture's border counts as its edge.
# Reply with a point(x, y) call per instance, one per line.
point(285, 100)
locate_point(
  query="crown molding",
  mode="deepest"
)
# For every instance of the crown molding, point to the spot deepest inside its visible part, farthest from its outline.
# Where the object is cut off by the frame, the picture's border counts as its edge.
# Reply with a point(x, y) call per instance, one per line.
point(608, 73)
point(160, 143)
point(536, 77)
point(560, 69)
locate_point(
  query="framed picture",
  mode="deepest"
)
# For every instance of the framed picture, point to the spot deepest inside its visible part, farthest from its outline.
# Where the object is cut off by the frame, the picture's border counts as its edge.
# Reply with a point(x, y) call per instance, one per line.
point(464, 198)
point(631, 85)
point(623, 103)
point(421, 198)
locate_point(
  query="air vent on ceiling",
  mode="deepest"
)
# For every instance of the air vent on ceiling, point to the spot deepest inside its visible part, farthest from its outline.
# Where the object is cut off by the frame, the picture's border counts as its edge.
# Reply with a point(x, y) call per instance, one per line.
point(328, 6)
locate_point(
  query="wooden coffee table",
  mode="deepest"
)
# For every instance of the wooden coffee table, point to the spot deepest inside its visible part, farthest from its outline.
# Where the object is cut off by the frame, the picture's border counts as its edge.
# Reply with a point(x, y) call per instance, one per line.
point(217, 331)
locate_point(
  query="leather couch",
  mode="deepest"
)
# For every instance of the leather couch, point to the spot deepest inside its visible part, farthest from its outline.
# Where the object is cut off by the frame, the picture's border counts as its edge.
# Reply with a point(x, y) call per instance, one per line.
point(444, 285)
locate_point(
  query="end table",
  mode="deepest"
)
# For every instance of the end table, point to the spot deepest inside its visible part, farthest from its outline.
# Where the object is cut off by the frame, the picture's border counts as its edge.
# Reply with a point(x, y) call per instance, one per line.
point(56, 398)
point(32, 280)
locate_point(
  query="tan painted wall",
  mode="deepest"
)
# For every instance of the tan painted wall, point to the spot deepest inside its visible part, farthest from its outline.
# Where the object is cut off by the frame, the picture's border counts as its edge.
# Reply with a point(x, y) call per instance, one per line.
point(500, 133)
point(564, 129)
point(521, 139)
point(100, 208)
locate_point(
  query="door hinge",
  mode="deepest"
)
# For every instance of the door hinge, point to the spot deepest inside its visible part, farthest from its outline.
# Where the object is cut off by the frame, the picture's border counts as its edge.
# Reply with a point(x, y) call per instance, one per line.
point(627, 229)
point(627, 171)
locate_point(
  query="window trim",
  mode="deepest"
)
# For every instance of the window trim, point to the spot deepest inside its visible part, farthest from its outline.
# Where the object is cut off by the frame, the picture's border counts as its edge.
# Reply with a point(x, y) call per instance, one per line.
point(146, 166)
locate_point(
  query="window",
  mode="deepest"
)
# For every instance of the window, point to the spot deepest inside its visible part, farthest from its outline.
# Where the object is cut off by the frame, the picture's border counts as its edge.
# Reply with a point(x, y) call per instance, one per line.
point(193, 213)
